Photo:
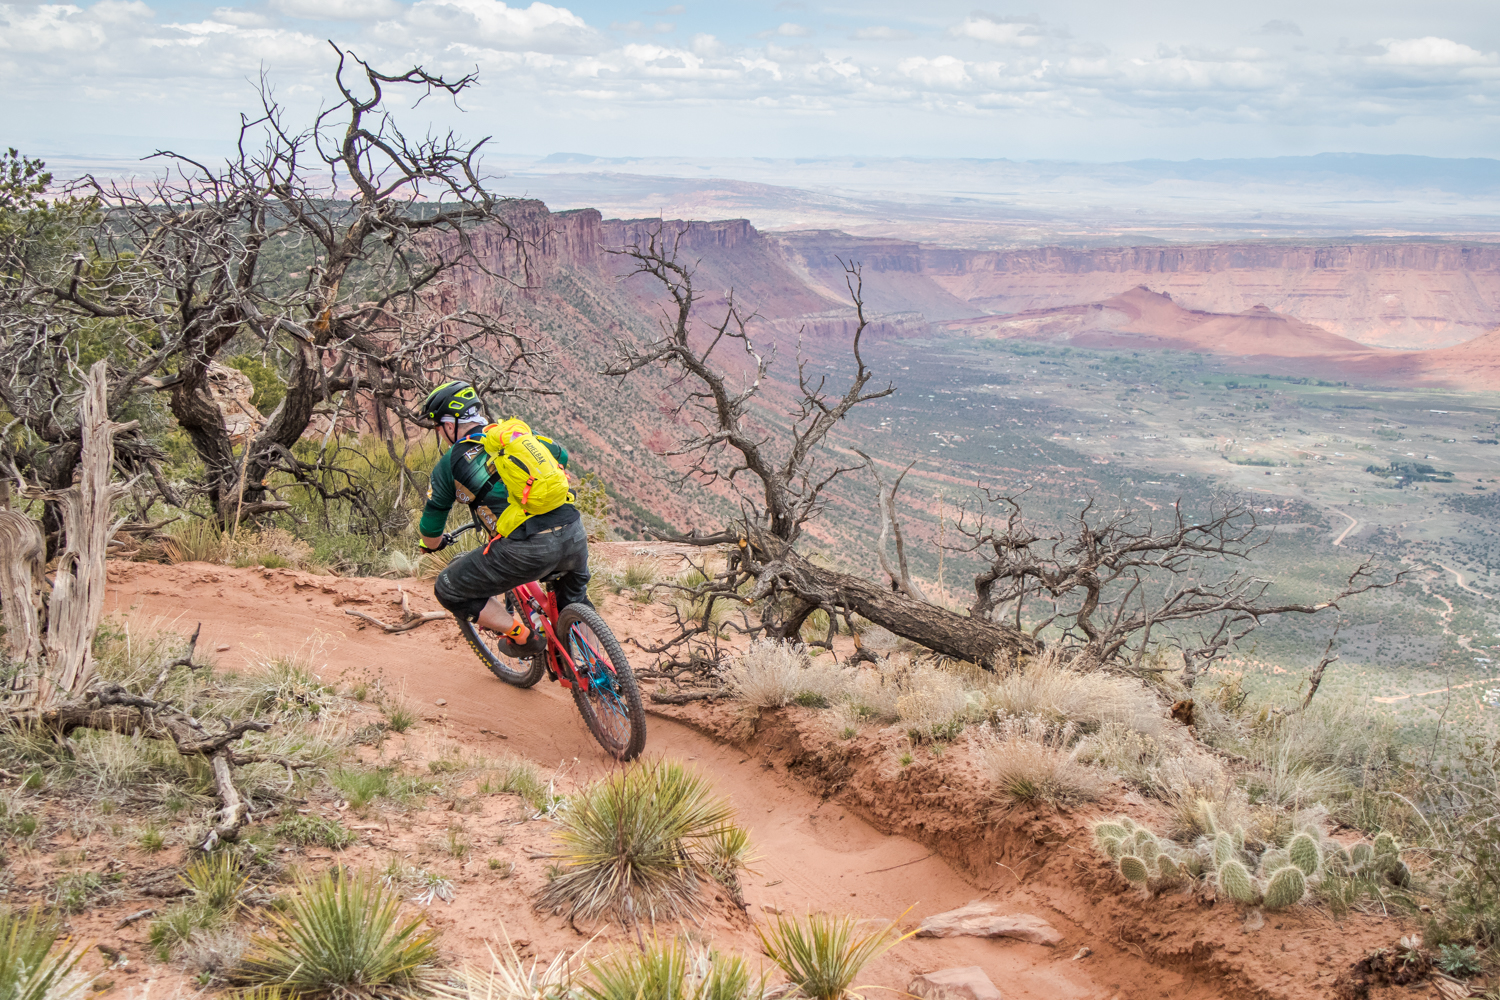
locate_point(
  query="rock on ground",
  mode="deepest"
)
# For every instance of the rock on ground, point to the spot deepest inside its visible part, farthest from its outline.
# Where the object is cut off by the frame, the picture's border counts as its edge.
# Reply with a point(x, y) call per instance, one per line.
point(966, 983)
point(981, 919)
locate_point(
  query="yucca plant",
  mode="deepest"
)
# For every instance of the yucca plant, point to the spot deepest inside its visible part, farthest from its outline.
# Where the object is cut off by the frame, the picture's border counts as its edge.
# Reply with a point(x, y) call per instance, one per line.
point(822, 954)
point(216, 880)
point(510, 978)
point(28, 968)
point(342, 936)
point(672, 971)
point(634, 844)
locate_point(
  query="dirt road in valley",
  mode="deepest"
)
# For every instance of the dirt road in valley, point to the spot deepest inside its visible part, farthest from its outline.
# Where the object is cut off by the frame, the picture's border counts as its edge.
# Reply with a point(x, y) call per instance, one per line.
point(816, 855)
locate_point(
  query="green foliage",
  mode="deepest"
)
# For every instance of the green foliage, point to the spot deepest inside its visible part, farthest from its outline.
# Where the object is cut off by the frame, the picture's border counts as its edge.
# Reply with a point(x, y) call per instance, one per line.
point(29, 969)
point(23, 181)
point(400, 717)
point(633, 844)
point(1286, 888)
point(306, 830)
point(216, 880)
point(269, 389)
point(76, 892)
point(1361, 854)
point(362, 786)
point(177, 925)
point(1461, 961)
point(1236, 883)
point(591, 497)
point(342, 935)
point(822, 954)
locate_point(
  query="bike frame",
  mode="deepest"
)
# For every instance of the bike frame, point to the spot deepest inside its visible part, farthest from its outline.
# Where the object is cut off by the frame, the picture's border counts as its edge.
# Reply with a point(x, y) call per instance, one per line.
point(533, 597)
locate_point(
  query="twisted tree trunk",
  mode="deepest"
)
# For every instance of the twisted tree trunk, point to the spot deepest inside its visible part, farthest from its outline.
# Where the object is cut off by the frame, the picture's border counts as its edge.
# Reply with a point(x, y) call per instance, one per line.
point(88, 525)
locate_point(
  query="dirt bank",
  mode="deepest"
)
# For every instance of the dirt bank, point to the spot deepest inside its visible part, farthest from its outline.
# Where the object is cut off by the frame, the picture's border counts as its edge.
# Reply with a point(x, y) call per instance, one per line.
point(839, 829)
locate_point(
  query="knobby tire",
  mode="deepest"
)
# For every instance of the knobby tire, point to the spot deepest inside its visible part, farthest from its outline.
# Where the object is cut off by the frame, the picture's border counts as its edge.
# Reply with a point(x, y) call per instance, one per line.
point(612, 705)
point(499, 665)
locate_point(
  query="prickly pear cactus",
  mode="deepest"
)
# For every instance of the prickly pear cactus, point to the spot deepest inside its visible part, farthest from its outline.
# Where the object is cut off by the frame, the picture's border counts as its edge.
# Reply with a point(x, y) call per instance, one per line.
point(1386, 846)
point(1134, 869)
point(1303, 852)
point(1166, 867)
point(1274, 860)
point(1225, 850)
point(1337, 862)
point(1361, 855)
point(1286, 888)
point(1235, 880)
point(1112, 831)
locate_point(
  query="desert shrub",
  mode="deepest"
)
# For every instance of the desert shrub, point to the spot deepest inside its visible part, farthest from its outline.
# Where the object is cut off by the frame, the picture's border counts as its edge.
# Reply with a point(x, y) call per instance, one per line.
point(633, 845)
point(29, 968)
point(1461, 805)
point(1032, 760)
point(822, 954)
point(423, 886)
point(307, 830)
point(508, 977)
point(672, 971)
point(771, 674)
point(639, 574)
point(591, 497)
point(341, 935)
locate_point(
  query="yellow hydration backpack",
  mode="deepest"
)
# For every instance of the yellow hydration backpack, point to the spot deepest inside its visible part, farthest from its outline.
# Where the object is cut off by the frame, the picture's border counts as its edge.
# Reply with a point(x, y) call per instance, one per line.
point(533, 479)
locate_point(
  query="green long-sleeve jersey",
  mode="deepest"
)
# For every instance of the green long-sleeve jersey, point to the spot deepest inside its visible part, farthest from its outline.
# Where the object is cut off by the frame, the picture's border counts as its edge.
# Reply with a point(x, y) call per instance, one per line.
point(467, 463)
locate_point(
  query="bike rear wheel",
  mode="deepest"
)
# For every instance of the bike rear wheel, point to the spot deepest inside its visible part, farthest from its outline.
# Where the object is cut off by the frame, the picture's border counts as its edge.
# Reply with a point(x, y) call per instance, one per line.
point(612, 704)
point(520, 673)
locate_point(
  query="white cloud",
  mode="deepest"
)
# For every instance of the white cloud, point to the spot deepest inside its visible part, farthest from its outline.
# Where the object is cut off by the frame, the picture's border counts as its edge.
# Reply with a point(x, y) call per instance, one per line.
point(1430, 51)
point(944, 72)
point(492, 24)
point(999, 31)
point(1281, 28)
point(338, 10)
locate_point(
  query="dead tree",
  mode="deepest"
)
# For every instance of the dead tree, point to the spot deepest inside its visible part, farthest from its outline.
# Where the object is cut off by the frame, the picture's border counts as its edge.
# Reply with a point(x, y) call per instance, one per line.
point(53, 685)
point(327, 253)
point(1114, 587)
point(781, 481)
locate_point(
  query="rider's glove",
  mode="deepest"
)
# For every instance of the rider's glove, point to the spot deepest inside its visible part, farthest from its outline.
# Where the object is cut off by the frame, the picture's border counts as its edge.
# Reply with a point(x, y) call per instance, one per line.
point(442, 544)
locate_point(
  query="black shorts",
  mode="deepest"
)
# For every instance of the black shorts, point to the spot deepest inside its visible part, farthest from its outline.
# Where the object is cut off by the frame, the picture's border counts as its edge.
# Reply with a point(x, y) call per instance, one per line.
point(474, 577)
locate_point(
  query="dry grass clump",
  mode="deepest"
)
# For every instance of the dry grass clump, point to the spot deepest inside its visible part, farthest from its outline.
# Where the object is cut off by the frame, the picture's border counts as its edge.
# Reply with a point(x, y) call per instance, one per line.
point(1047, 687)
point(201, 540)
point(1033, 760)
point(772, 674)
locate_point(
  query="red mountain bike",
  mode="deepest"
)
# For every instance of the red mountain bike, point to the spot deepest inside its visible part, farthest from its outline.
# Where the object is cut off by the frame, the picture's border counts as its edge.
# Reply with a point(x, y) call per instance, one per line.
point(582, 655)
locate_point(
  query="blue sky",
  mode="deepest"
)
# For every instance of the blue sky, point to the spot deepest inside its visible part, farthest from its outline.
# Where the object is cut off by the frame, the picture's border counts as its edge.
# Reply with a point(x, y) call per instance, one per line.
point(1078, 79)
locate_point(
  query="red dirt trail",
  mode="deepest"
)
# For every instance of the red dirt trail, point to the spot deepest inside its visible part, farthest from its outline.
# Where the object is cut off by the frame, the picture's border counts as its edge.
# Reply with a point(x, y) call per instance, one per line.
point(816, 853)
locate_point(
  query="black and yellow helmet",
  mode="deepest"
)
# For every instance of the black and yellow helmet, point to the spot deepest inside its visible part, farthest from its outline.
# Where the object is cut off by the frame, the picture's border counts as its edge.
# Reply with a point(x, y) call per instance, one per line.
point(451, 399)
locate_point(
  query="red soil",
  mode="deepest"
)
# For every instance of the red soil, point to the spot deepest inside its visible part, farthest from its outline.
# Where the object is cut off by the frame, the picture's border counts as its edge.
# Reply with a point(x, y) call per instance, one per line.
point(840, 826)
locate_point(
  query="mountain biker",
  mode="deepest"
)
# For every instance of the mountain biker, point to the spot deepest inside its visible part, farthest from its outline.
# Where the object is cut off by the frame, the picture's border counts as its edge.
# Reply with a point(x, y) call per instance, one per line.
point(523, 547)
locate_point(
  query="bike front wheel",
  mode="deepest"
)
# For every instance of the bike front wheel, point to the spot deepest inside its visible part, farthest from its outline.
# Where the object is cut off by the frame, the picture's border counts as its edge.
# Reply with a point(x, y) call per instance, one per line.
point(521, 673)
point(612, 704)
